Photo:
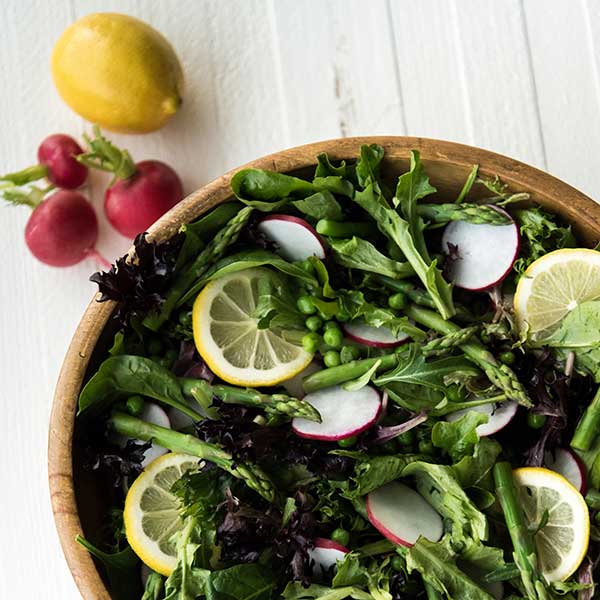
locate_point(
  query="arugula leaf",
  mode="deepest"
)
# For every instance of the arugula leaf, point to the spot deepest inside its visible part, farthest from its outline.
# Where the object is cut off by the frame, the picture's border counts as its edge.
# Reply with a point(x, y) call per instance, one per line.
point(296, 591)
point(540, 234)
point(126, 375)
point(121, 569)
point(458, 438)
point(439, 486)
point(464, 192)
point(360, 382)
point(155, 586)
point(578, 333)
point(241, 582)
point(414, 398)
point(415, 369)
point(436, 564)
point(369, 164)
point(325, 168)
point(321, 205)
point(392, 225)
point(412, 187)
point(187, 581)
point(357, 253)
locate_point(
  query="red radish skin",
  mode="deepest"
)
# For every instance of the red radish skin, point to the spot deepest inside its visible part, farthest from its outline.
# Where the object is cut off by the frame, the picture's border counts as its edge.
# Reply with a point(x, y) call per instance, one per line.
point(566, 463)
point(481, 265)
point(57, 153)
point(135, 203)
point(402, 515)
point(326, 555)
point(343, 413)
point(63, 230)
point(296, 238)
point(375, 337)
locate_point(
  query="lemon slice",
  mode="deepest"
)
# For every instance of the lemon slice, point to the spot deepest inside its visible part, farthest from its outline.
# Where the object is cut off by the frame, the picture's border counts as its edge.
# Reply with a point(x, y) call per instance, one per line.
point(151, 514)
point(554, 285)
point(229, 340)
point(562, 542)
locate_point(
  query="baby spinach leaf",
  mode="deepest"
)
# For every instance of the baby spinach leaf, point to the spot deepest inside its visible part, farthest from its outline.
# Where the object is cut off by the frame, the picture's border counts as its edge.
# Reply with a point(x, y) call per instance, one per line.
point(436, 564)
point(439, 486)
point(458, 438)
point(321, 205)
point(325, 168)
point(241, 582)
point(414, 398)
point(334, 185)
point(296, 591)
point(121, 569)
point(392, 225)
point(126, 375)
point(357, 253)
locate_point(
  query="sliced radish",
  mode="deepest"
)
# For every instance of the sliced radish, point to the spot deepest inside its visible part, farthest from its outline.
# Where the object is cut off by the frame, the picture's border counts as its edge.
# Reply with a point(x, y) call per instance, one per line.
point(377, 337)
point(326, 554)
point(485, 253)
point(152, 413)
point(569, 465)
point(343, 413)
point(499, 416)
point(295, 237)
point(293, 386)
point(402, 515)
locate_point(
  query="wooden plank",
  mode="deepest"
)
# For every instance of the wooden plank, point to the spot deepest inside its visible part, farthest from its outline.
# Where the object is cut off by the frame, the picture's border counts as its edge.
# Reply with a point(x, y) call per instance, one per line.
point(337, 69)
point(560, 37)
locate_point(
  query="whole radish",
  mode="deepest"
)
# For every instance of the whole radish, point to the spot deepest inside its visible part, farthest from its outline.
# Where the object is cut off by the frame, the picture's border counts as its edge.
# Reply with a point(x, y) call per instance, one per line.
point(57, 162)
point(140, 193)
point(62, 229)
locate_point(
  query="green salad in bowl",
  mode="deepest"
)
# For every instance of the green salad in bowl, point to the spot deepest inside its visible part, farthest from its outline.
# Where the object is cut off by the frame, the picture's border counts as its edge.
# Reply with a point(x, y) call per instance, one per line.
point(340, 387)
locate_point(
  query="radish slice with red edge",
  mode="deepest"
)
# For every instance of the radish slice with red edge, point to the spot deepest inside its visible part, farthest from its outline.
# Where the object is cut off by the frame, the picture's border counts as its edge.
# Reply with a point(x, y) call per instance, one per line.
point(326, 555)
point(296, 239)
point(376, 337)
point(499, 416)
point(481, 255)
point(566, 463)
point(152, 413)
point(343, 413)
point(402, 515)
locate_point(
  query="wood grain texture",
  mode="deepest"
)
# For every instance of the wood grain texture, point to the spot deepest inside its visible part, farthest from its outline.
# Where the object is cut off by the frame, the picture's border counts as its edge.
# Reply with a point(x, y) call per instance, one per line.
point(518, 77)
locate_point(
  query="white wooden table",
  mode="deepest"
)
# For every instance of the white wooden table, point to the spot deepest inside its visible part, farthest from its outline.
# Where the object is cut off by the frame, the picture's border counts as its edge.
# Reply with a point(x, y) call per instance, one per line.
point(516, 76)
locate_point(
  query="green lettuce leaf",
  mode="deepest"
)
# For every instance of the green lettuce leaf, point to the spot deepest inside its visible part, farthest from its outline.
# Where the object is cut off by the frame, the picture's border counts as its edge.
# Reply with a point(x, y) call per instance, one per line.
point(241, 582)
point(458, 438)
point(321, 205)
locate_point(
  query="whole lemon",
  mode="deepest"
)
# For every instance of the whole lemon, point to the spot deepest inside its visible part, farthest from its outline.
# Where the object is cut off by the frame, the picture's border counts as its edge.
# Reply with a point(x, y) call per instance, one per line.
point(119, 72)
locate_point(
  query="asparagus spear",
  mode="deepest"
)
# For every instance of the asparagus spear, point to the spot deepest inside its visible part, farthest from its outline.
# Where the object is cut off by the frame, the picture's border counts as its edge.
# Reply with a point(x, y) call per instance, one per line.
point(252, 475)
point(348, 371)
point(524, 549)
point(448, 342)
point(183, 285)
point(588, 426)
point(345, 229)
point(500, 375)
point(272, 404)
point(473, 213)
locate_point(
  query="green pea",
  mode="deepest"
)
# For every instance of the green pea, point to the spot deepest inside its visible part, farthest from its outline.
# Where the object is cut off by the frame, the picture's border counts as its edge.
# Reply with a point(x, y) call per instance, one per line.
point(398, 301)
point(313, 323)
point(155, 346)
point(341, 536)
point(134, 405)
point(343, 316)
point(331, 325)
point(311, 342)
point(454, 393)
point(334, 338)
point(331, 358)
point(347, 442)
point(508, 358)
point(397, 563)
point(306, 265)
point(171, 354)
point(407, 438)
point(349, 353)
point(305, 305)
point(597, 518)
point(426, 447)
point(536, 421)
point(486, 338)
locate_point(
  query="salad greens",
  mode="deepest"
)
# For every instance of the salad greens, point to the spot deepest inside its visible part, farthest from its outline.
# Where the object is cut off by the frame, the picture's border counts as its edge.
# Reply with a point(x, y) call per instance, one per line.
point(263, 499)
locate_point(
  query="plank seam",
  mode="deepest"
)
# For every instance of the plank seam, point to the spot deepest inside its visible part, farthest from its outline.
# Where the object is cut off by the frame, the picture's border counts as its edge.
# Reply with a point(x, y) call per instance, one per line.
point(398, 79)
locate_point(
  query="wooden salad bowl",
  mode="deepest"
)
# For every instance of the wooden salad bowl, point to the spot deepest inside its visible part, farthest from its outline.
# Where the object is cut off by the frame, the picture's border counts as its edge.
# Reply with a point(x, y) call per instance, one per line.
point(77, 496)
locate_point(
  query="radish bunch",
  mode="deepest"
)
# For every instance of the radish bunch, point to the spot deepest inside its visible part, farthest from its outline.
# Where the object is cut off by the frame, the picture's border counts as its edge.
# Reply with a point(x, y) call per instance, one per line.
point(63, 229)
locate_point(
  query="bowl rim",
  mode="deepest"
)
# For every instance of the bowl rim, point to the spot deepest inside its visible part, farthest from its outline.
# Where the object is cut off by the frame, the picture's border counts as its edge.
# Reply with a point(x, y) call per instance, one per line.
point(62, 419)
